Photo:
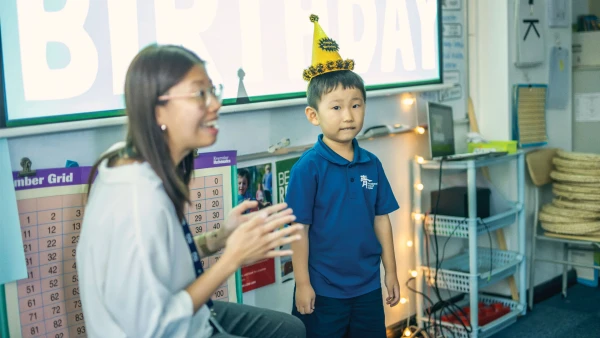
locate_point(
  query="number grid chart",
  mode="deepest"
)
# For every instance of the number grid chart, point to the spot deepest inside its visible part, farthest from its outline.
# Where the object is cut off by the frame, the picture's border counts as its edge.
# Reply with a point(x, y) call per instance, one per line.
point(51, 208)
point(211, 197)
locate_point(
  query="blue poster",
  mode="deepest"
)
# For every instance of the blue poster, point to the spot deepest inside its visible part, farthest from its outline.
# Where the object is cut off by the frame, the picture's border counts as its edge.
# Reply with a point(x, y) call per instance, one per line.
point(12, 256)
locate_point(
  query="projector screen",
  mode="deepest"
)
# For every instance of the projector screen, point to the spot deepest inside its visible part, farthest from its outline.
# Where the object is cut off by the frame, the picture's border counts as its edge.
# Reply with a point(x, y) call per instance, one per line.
point(66, 59)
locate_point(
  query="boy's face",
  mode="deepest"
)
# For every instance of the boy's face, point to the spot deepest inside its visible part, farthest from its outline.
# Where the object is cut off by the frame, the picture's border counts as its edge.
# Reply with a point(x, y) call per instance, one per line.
point(242, 185)
point(340, 114)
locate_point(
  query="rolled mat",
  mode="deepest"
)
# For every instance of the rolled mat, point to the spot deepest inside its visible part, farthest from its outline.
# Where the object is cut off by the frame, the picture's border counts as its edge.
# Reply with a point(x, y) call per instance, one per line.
point(566, 177)
point(578, 171)
point(563, 162)
point(570, 155)
point(552, 218)
point(572, 227)
point(576, 188)
point(576, 196)
point(580, 205)
point(553, 209)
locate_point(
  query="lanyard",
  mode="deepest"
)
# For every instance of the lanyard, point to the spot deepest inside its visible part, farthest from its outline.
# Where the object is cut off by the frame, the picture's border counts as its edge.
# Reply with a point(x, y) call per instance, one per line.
point(199, 270)
point(195, 256)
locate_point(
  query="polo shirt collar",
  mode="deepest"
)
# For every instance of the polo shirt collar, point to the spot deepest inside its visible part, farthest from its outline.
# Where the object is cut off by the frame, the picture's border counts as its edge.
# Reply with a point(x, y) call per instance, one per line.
point(360, 155)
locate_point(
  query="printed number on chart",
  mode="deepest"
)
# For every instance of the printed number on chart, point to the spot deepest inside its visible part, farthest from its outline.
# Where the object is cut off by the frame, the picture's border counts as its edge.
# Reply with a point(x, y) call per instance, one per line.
point(34, 330)
point(56, 310)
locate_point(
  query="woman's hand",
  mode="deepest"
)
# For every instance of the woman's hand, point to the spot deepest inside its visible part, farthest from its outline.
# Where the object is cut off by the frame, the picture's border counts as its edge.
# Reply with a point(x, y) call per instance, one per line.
point(260, 236)
point(238, 215)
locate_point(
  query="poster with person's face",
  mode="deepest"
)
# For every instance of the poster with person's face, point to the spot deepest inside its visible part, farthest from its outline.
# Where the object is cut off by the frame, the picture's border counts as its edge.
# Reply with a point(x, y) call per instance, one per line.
point(255, 183)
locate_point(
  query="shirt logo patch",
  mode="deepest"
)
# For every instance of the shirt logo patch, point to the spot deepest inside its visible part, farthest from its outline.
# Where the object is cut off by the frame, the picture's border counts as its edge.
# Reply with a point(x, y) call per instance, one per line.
point(367, 183)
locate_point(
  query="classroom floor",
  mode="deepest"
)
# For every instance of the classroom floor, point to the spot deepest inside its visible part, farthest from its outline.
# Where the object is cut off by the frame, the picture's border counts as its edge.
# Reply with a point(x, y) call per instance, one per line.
point(576, 316)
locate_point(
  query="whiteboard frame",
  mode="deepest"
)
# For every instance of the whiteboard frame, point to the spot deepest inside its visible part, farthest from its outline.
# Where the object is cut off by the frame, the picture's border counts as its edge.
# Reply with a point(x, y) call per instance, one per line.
point(60, 127)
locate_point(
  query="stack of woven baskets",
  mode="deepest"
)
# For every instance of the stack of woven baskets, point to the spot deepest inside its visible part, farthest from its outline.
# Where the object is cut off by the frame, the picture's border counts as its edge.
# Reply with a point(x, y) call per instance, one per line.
point(575, 209)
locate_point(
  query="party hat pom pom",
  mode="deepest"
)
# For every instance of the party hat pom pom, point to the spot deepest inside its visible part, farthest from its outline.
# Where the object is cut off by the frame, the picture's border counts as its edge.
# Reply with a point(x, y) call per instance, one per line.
point(314, 18)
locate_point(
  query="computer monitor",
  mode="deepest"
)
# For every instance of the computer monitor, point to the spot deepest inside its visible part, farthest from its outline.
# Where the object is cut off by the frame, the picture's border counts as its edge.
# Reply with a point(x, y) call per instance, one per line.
point(440, 121)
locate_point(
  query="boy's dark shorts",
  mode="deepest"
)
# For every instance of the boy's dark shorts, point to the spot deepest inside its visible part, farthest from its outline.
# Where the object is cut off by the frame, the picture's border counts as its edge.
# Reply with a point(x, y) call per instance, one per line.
point(357, 317)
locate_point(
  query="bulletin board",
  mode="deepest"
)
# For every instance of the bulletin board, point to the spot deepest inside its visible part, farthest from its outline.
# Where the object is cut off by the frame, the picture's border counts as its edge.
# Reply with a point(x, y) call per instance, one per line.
point(454, 59)
point(51, 208)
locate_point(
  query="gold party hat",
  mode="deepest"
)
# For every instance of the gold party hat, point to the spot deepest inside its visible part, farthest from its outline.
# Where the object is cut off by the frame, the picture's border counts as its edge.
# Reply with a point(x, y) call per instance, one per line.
point(325, 56)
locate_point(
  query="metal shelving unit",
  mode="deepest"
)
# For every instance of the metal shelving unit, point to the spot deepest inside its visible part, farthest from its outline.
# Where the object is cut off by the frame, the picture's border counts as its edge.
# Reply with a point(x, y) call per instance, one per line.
point(475, 267)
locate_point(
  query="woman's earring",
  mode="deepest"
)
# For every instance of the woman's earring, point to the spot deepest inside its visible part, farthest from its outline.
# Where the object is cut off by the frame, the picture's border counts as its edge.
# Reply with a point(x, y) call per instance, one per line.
point(163, 127)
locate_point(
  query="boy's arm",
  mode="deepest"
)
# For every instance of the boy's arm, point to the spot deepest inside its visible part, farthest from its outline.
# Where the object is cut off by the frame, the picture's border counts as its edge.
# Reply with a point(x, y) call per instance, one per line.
point(383, 231)
point(300, 258)
point(386, 203)
point(300, 197)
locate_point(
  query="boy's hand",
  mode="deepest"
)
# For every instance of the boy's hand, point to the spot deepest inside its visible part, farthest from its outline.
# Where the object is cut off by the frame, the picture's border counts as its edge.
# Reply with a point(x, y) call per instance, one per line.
point(393, 289)
point(305, 298)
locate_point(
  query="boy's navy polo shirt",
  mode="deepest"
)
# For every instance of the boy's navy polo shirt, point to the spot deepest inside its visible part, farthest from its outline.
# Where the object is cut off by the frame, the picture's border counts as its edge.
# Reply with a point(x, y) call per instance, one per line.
point(339, 200)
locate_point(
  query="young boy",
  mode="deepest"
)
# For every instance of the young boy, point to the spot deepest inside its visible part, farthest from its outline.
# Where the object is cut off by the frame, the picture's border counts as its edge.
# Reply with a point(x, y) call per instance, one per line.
point(340, 193)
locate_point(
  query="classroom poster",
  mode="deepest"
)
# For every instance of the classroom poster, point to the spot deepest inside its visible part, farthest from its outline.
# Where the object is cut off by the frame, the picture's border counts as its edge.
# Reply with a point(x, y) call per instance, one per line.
point(283, 169)
point(50, 204)
point(256, 183)
point(12, 257)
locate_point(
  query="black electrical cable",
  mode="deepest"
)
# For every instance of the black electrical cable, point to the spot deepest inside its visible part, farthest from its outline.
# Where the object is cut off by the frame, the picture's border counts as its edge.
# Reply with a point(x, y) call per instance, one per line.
point(430, 324)
point(444, 304)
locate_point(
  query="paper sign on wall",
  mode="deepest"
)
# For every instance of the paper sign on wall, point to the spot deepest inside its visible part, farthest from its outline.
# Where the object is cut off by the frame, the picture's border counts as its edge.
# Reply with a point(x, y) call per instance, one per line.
point(529, 39)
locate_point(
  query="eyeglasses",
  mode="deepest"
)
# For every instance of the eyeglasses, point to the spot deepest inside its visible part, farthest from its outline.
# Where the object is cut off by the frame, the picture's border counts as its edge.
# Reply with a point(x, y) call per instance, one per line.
point(207, 95)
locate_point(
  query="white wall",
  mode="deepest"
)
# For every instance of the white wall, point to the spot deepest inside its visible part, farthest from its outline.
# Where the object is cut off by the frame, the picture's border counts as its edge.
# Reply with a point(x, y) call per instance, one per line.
point(493, 74)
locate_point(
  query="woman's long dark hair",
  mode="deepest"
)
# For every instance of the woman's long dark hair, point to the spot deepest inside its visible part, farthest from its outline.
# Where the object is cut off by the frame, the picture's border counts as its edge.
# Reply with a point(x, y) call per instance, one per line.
point(152, 73)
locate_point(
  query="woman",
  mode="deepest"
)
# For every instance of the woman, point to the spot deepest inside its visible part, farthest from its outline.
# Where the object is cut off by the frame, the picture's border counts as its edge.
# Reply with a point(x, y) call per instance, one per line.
point(139, 271)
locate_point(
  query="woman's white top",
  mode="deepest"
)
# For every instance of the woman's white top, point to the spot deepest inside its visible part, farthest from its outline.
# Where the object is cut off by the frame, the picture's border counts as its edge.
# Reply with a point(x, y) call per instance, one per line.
point(133, 261)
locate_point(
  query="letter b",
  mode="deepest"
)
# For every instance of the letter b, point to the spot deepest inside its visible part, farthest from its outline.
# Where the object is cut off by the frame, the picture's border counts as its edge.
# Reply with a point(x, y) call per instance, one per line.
point(38, 27)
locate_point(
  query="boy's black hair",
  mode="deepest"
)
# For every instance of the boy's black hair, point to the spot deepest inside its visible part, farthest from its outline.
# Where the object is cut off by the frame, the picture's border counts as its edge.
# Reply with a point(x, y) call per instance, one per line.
point(326, 83)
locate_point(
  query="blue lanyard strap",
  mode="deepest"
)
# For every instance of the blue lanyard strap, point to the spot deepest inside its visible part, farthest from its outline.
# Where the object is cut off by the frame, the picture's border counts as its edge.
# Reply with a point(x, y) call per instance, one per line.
point(195, 256)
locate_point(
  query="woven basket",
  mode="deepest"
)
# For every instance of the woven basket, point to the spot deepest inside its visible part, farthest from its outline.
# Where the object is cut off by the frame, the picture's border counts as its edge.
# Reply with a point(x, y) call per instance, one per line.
point(576, 188)
point(564, 177)
point(579, 205)
point(555, 210)
point(572, 227)
point(578, 171)
point(562, 162)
